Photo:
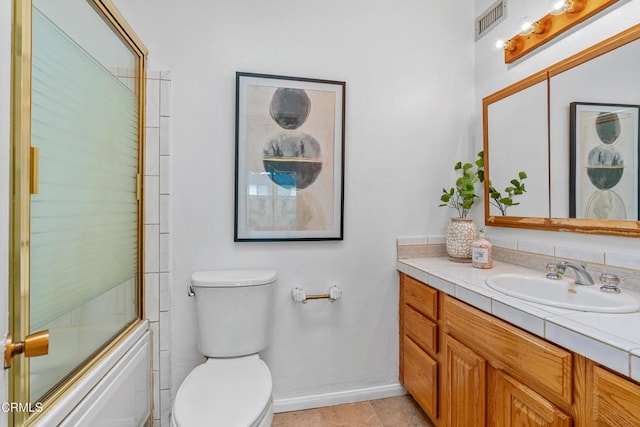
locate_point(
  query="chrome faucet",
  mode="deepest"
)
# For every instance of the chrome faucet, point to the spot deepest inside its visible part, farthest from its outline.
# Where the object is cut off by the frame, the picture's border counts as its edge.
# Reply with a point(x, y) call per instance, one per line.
point(580, 272)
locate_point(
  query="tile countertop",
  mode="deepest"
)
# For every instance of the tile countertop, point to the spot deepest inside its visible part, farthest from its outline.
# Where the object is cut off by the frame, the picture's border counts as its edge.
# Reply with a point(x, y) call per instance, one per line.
point(612, 340)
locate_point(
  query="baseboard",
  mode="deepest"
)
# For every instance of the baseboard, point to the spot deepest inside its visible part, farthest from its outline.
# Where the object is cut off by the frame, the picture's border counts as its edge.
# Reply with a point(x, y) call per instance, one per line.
point(338, 398)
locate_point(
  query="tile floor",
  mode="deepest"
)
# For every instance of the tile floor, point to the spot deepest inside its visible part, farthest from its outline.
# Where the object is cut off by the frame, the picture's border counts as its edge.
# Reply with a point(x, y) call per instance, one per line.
point(392, 412)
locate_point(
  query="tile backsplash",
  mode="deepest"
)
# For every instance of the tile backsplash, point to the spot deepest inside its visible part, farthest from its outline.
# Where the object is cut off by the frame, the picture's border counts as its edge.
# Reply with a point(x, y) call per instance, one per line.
point(535, 256)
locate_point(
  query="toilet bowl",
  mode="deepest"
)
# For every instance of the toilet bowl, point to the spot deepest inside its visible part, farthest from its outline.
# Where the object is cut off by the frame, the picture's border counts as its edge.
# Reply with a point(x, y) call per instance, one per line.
point(225, 392)
point(234, 311)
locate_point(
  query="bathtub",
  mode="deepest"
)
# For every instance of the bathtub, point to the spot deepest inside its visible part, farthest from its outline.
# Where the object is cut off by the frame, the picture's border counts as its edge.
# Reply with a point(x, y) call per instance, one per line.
point(116, 392)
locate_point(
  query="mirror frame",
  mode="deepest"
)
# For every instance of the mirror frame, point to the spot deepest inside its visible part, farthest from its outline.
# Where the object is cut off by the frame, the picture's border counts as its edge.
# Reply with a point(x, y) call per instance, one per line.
point(579, 225)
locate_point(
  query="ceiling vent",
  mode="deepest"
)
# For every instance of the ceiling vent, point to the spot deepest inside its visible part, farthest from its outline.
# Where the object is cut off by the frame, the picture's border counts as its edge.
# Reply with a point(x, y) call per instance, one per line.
point(490, 18)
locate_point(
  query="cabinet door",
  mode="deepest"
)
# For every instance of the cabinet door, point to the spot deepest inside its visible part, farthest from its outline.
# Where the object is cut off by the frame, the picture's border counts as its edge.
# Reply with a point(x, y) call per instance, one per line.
point(465, 389)
point(615, 400)
point(512, 403)
point(421, 377)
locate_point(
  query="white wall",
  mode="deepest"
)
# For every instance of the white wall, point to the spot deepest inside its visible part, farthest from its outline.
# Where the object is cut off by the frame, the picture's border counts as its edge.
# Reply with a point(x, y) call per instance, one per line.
point(492, 74)
point(409, 72)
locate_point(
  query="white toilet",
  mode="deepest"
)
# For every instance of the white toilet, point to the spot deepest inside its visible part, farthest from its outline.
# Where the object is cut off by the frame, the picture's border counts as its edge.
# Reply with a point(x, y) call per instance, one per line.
point(233, 387)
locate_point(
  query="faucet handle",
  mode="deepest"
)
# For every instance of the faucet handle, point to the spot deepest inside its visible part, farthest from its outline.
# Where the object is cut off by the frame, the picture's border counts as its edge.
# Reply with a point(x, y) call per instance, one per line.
point(610, 283)
point(610, 278)
point(552, 271)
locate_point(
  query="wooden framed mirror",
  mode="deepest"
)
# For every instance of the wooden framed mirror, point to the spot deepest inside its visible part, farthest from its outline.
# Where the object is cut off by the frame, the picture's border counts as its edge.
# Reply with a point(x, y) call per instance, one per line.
point(573, 128)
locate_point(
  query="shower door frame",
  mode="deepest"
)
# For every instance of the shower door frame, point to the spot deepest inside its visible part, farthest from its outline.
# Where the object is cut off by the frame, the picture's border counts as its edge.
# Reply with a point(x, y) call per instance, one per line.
point(22, 180)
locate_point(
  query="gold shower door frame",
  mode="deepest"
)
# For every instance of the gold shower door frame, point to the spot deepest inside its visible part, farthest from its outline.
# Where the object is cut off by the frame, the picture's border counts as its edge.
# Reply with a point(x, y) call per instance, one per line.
point(21, 182)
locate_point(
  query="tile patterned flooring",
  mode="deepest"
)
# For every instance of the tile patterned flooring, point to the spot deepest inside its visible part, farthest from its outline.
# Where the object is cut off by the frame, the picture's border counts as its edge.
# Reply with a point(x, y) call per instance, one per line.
point(398, 411)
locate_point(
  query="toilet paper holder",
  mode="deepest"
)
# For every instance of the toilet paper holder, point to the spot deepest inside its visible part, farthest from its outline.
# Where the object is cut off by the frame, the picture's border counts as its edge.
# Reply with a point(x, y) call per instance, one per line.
point(299, 295)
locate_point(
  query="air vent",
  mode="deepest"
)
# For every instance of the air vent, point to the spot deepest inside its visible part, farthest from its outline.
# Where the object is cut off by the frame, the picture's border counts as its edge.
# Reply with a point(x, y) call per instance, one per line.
point(490, 18)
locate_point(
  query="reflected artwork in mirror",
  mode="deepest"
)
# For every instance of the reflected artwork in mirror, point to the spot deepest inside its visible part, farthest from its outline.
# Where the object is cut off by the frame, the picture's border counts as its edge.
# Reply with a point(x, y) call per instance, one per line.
point(604, 161)
point(581, 119)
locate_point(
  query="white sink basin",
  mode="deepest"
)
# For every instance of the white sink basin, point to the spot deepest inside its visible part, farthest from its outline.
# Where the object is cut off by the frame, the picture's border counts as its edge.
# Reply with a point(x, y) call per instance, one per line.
point(562, 293)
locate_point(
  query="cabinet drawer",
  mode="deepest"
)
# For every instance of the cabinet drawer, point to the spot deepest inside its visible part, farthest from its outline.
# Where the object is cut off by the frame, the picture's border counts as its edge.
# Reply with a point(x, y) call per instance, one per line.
point(420, 329)
point(421, 377)
point(421, 297)
point(543, 366)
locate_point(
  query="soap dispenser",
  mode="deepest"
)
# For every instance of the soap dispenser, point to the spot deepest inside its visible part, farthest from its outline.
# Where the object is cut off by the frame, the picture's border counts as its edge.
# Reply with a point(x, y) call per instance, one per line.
point(481, 252)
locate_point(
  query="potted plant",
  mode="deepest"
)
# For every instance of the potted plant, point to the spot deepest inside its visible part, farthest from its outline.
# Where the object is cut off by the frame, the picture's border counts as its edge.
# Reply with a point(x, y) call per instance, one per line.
point(462, 231)
point(497, 199)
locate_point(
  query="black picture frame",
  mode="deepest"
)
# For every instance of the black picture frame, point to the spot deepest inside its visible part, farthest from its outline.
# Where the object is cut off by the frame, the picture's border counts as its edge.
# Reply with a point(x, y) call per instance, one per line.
point(289, 158)
point(604, 157)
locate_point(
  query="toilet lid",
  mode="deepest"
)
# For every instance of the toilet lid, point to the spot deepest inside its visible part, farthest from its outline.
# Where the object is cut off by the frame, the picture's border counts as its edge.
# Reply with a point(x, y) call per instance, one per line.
point(224, 392)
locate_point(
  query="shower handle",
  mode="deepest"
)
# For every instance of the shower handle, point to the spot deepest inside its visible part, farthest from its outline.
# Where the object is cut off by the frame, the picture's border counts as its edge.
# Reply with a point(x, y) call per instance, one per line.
point(35, 344)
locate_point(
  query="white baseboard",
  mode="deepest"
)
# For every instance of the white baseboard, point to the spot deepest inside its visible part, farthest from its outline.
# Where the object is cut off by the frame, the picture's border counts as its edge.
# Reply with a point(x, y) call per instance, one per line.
point(338, 398)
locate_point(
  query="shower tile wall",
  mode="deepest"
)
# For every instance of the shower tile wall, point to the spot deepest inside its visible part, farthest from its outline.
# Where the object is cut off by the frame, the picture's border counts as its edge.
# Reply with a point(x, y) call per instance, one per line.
point(158, 237)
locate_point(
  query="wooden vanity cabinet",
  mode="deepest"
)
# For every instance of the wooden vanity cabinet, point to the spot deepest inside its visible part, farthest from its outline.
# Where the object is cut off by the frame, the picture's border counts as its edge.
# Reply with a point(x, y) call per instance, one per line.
point(467, 368)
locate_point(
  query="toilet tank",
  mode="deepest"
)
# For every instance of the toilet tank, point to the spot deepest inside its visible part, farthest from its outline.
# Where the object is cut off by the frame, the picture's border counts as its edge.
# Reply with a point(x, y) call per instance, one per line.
point(234, 311)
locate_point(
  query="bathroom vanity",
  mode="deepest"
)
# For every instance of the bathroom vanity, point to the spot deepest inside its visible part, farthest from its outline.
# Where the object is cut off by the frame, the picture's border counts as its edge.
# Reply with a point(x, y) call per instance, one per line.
point(466, 363)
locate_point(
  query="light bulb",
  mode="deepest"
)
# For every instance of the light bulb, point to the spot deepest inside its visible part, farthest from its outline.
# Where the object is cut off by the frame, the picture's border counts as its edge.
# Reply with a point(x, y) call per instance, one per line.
point(525, 26)
point(558, 7)
point(502, 44)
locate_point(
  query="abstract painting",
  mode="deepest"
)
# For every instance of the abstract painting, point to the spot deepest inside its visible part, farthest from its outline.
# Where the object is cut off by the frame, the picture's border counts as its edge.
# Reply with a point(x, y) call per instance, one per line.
point(289, 158)
point(604, 149)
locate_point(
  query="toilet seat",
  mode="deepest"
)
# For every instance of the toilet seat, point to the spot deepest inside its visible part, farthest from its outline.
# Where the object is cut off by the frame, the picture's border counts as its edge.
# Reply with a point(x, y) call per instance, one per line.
point(224, 392)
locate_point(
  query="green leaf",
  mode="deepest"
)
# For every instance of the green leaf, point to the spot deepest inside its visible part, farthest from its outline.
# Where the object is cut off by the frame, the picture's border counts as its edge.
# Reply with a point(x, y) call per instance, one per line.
point(458, 166)
point(522, 175)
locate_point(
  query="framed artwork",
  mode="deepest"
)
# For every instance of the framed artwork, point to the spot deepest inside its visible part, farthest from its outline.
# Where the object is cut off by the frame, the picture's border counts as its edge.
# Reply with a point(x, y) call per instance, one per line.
point(604, 158)
point(289, 158)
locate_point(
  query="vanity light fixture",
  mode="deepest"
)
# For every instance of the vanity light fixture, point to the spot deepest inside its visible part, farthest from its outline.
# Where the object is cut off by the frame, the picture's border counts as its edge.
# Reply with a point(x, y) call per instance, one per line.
point(563, 14)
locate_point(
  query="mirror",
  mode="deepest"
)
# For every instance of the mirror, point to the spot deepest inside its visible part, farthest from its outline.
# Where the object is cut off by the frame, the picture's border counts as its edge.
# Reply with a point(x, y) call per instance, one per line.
point(519, 142)
point(574, 129)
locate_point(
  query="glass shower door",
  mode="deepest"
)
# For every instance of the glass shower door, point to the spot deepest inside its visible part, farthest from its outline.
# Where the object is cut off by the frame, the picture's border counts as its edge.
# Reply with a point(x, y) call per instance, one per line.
point(84, 232)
